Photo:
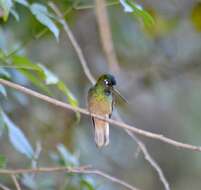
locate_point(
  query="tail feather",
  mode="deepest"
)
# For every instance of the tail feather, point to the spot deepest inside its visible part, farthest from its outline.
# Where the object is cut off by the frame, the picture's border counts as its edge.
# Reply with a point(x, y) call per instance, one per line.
point(107, 139)
point(101, 133)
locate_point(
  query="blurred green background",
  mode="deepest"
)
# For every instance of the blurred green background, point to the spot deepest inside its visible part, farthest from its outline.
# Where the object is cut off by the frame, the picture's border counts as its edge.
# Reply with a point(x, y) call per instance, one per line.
point(160, 76)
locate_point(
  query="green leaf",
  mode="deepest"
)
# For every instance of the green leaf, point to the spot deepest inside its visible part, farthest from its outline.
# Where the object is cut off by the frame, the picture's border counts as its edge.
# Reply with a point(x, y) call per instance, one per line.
point(4, 73)
point(42, 15)
point(17, 137)
point(131, 7)
point(23, 2)
point(50, 78)
point(29, 181)
point(2, 161)
point(35, 80)
point(87, 183)
point(66, 156)
point(23, 62)
point(3, 90)
point(15, 14)
point(24, 66)
point(44, 74)
point(70, 97)
point(6, 7)
point(39, 75)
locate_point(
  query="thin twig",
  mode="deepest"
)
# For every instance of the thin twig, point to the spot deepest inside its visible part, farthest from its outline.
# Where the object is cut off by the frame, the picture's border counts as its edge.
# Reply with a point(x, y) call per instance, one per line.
point(98, 172)
point(17, 185)
point(36, 36)
point(151, 161)
point(80, 170)
point(73, 41)
point(148, 157)
point(131, 128)
point(105, 34)
point(3, 187)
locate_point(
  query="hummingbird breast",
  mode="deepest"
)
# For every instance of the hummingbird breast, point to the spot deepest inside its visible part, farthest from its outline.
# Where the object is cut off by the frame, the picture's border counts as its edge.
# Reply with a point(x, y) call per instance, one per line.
point(100, 102)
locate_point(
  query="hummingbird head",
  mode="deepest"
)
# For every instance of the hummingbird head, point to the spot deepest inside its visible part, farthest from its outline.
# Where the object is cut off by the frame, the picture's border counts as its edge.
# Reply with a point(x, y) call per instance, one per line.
point(107, 80)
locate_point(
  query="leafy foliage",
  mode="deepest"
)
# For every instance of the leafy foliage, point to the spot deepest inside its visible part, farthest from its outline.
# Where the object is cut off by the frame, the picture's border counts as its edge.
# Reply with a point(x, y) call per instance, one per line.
point(38, 74)
point(137, 10)
point(4, 73)
point(23, 2)
point(161, 26)
point(17, 137)
point(65, 158)
point(40, 12)
point(43, 16)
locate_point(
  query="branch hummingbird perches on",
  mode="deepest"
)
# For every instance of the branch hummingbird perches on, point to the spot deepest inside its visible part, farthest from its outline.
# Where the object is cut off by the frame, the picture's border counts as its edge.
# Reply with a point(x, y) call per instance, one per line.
point(119, 124)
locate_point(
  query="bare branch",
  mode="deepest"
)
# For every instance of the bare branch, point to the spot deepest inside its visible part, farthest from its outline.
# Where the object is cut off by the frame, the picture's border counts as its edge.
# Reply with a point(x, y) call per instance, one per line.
point(80, 170)
point(98, 172)
point(17, 185)
point(3, 187)
point(111, 121)
point(148, 157)
point(74, 42)
point(151, 161)
point(105, 33)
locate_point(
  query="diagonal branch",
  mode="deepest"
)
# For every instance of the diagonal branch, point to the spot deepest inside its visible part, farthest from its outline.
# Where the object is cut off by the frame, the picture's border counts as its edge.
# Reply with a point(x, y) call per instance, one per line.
point(78, 170)
point(119, 124)
point(3, 187)
point(73, 42)
point(148, 157)
point(14, 178)
point(105, 34)
point(151, 161)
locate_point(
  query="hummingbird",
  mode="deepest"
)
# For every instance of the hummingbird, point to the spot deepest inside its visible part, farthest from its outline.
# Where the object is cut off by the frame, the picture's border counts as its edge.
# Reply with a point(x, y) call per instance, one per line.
point(101, 101)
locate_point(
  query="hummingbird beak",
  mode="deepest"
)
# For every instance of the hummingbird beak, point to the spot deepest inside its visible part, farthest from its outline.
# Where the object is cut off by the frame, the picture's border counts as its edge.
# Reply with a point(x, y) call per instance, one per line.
point(117, 93)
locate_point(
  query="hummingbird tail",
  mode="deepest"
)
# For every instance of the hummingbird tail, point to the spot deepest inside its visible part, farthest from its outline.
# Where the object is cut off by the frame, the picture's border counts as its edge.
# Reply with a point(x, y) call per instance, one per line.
point(101, 133)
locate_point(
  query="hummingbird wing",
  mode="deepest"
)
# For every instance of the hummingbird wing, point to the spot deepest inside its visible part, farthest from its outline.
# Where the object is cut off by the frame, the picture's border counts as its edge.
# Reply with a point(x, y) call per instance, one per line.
point(118, 94)
point(112, 106)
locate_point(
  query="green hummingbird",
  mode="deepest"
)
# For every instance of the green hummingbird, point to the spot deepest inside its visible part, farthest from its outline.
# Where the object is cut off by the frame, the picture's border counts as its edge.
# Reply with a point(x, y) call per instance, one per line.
point(101, 102)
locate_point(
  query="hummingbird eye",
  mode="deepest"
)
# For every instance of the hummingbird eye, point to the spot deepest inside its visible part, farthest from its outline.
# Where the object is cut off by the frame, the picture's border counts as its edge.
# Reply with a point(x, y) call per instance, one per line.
point(106, 82)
